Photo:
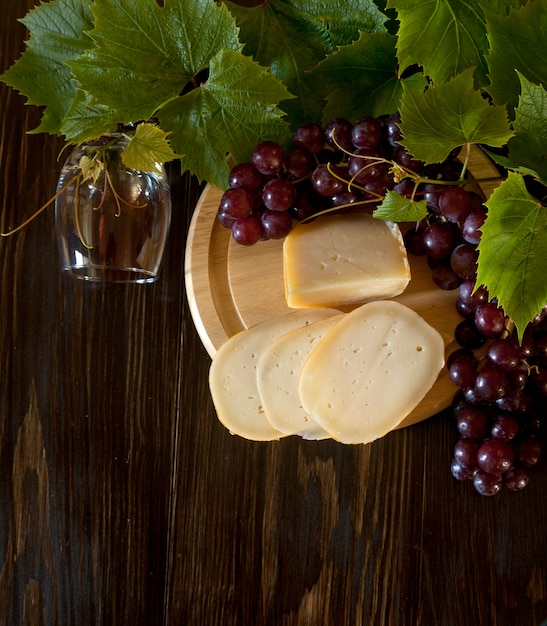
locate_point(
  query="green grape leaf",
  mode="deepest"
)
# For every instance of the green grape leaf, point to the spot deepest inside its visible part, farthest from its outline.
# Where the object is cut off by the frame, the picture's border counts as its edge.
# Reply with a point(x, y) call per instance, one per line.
point(145, 54)
point(148, 149)
point(91, 168)
point(292, 36)
point(215, 120)
point(396, 208)
point(367, 69)
point(445, 37)
point(501, 7)
point(57, 35)
point(514, 240)
point(517, 42)
point(528, 148)
point(435, 121)
point(510, 164)
point(85, 120)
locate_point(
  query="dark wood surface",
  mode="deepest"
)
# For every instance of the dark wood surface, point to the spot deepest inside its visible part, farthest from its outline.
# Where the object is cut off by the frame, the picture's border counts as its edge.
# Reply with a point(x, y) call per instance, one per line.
point(124, 501)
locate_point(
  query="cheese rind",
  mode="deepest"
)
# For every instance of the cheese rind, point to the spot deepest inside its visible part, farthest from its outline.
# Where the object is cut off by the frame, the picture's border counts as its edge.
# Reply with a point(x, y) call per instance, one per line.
point(370, 370)
point(278, 373)
point(343, 259)
point(232, 375)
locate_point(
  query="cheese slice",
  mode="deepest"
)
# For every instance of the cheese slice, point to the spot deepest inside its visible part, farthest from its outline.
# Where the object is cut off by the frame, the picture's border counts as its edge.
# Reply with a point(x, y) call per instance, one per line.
point(370, 370)
point(278, 374)
point(232, 376)
point(342, 259)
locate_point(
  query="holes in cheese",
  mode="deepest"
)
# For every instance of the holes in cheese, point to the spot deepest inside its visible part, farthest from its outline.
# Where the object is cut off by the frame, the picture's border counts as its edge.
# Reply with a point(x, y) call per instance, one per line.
point(370, 370)
point(232, 376)
point(341, 259)
point(278, 373)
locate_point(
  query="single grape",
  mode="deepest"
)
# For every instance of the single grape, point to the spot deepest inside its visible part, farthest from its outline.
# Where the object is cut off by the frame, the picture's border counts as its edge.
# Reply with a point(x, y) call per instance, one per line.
point(505, 427)
point(299, 163)
point(379, 185)
point(460, 353)
point(458, 403)
point(363, 166)
point(464, 260)
point(472, 422)
point(527, 346)
point(490, 319)
point(338, 133)
point(276, 224)
point(439, 240)
point(491, 383)
point(487, 484)
point(310, 137)
point(405, 188)
point(247, 230)
point(326, 183)
point(225, 218)
point(347, 197)
point(476, 202)
point(366, 133)
point(431, 193)
point(464, 309)
point(495, 457)
point(392, 130)
point(462, 368)
point(268, 157)
point(504, 353)
point(471, 227)
point(529, 452)
point(245, 175)
point(467, 335)
point(466, 453)
point(306, 203)
point(278, 194)
point(237, 202)
point(454, 204)
point(518, 375)
point(414, 241)
point(450, 170)
point(516, 479)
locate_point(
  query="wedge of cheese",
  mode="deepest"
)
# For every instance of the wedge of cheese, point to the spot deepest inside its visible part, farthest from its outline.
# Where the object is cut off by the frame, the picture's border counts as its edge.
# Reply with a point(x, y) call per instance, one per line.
point(370, 370)
point(232, 376)
point(342, 259)
point(278, 373)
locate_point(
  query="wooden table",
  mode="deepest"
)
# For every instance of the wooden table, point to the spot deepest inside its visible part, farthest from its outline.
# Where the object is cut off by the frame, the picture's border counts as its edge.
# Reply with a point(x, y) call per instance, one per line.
point(124, 501)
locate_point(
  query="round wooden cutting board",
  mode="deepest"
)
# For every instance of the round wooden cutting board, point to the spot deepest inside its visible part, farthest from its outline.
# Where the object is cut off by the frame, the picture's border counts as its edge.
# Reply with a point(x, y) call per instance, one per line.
point(232, 287)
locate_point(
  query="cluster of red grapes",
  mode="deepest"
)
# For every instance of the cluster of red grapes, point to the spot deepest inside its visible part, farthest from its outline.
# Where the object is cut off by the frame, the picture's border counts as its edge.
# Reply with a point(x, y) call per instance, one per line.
point(499, 410)
point(502, 382)
point(342, 164)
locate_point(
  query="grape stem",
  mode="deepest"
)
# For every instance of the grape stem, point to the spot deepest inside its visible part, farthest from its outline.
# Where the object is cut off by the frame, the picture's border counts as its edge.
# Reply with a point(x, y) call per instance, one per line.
point(42, 208)
point(77, 180)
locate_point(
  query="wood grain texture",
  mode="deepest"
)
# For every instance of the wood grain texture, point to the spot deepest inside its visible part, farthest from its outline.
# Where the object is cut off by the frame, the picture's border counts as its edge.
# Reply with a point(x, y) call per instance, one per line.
point(123, 501)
